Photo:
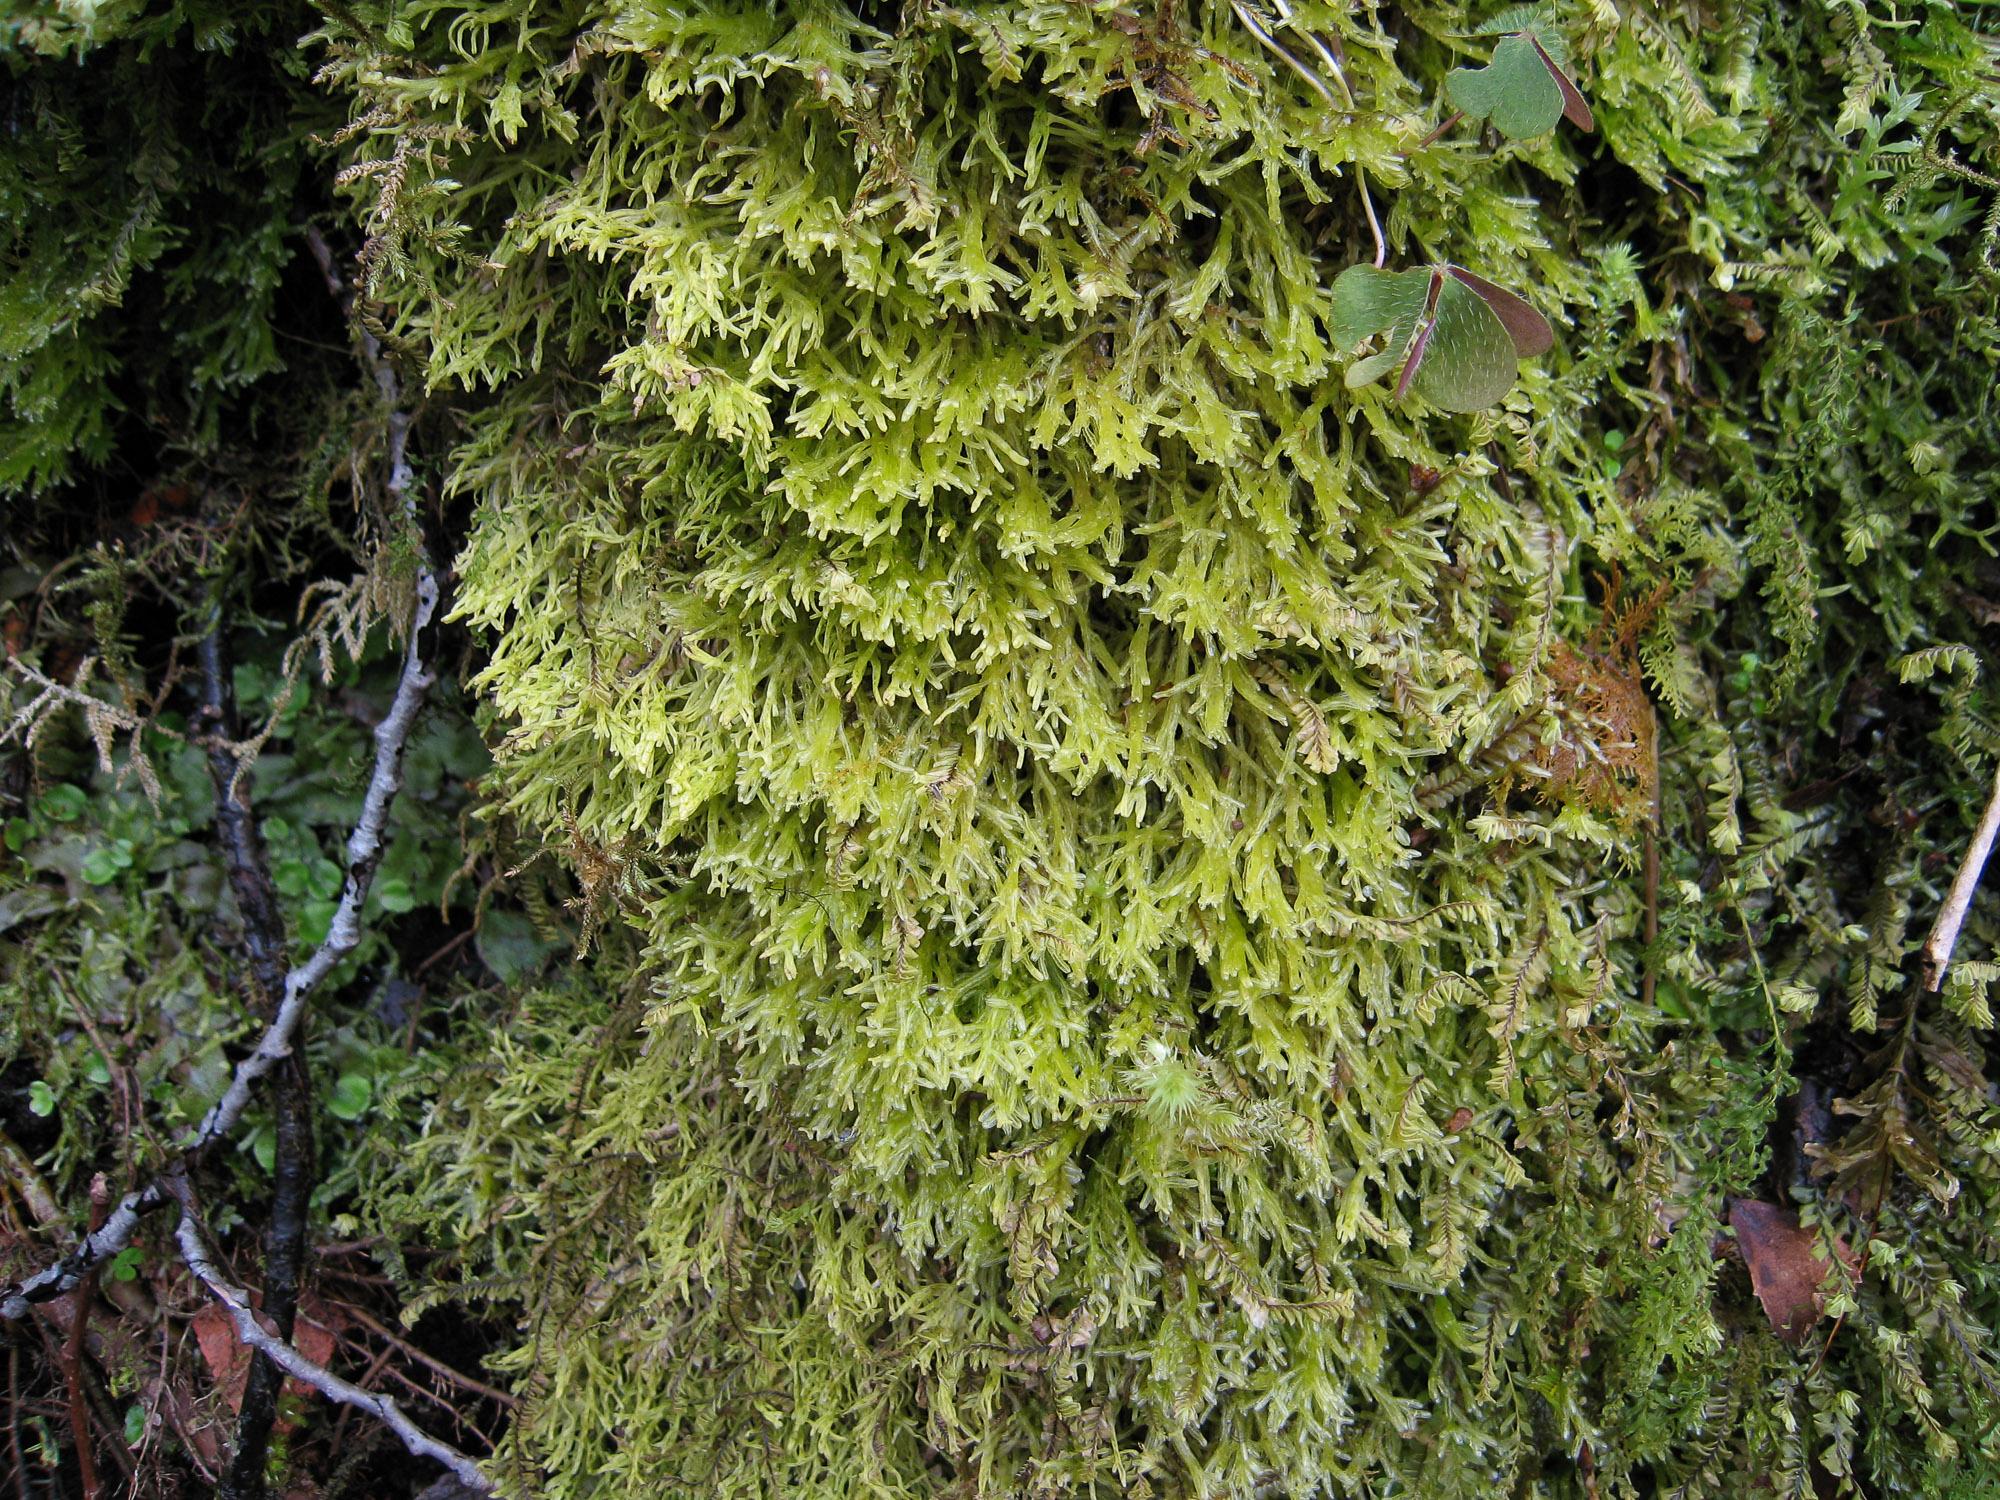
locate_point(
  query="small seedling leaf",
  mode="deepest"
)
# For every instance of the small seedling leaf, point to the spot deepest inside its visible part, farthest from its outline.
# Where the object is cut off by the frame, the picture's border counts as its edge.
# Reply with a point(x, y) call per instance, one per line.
point(1372, 368)
point(351, 1093)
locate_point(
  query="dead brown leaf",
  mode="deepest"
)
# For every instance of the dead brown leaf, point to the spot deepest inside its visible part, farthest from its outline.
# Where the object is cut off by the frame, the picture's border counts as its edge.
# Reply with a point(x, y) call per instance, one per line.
point(229, 1358)
point(1787, 1271)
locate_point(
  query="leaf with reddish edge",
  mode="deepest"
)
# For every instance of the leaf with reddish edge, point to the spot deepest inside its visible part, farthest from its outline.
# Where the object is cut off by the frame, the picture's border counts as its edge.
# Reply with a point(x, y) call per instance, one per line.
point(1514, 90)
point(1470, 364)
point(1525, 87)
point(1368, 300)
point(1411, 365)
point(1457, 337)
point(1424, 331)
point(1528, 329)
point(1576, 109)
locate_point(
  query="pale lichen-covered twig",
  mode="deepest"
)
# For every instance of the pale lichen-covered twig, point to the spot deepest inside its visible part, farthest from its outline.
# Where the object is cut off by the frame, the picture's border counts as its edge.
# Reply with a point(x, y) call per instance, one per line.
point(1944, 935)
point(364, 852)
point(296, 1365)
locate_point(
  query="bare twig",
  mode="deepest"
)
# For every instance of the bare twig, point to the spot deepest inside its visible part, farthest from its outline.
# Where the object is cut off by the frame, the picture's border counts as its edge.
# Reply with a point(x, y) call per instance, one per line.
point(72, 1363)
point(14, 1423)
point(1436, 135)
point(19, 1174)
point(303, 1370)
point(1312, 80)
point(91, 1251)
point(1944, 935)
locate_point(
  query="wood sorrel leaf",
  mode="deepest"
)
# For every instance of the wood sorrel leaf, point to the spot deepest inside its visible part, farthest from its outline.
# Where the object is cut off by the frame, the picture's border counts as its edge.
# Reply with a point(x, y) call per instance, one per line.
point(1525, 89)
point(1456, 337)
point(1470, 362)
point(1368, 301)
point(1515, 91)
point(1575, 108)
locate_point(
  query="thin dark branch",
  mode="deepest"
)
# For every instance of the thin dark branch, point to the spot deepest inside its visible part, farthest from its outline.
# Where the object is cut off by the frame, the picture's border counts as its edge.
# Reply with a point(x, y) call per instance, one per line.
point(429, 1362)
point(279, 1352)
point(284, 1256)
point(73, 1365)
point(263, 942)
point(242, 847)
point(14, 1407)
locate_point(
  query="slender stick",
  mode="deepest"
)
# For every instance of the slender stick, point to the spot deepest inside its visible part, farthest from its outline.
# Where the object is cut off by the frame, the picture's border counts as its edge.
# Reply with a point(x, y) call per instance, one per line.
point(72, 1365)
point(1374, 224)
point(1272, 45)
point(1944, 936)
point(364, 852)
point(263, 940)
point(1449, 120)
point(296, 1365)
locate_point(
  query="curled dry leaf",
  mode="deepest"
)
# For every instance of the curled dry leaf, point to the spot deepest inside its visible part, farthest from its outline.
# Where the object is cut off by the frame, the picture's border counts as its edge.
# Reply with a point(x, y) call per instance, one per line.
point(1787, 1271)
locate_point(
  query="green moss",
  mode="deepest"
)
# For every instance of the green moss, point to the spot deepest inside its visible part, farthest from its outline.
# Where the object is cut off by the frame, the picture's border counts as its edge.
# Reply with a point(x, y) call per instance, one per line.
point(1120, 1019)
point(152, 178)
point(1173, 925)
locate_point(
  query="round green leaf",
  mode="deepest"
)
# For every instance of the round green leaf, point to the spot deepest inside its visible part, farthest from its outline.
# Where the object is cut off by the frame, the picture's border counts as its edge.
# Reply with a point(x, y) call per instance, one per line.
point(315, 920)
point(63, 804)
point(393, 894)
point(509, 945)
point(101, 867)
point(351, 1093)
point(325, 879)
